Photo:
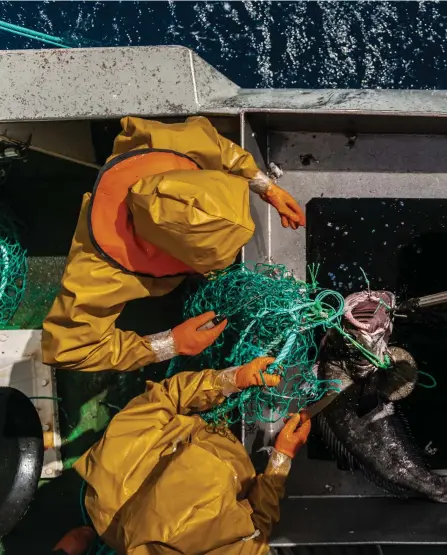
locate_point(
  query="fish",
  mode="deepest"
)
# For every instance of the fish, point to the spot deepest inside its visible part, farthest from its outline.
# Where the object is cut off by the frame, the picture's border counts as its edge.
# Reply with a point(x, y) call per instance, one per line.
point(364, 427)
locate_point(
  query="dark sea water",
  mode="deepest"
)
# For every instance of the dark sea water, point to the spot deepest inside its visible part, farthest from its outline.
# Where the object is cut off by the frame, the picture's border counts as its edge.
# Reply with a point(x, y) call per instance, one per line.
point(330, 44)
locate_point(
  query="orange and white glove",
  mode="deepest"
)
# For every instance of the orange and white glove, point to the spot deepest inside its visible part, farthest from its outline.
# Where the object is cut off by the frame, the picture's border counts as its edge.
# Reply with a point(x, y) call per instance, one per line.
point(254, 373)
point(185, 339)
point(288, 443)
point(251, 374)
point(190, 341)
point(294, 435)
point(289, 210)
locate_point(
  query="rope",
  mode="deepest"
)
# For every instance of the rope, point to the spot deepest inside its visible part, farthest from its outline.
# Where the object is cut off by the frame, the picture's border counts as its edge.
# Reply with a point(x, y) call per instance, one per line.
point(73, 41)
point(386, 363)
point(35, 35)
point(431, 385)
point(371, 357)
point(270, 312)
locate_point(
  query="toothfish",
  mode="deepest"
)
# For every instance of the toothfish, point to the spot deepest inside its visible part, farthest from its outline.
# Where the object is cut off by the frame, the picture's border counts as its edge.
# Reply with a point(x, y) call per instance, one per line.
point(363, 426)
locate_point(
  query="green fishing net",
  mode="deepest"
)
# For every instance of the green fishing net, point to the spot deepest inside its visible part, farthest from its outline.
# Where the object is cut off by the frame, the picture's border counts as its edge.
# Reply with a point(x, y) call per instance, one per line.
point(13, 268)
point(270, 313)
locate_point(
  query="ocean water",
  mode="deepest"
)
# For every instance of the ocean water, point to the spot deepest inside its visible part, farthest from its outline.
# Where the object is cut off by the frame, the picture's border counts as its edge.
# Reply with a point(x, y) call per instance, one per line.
point(315, 44)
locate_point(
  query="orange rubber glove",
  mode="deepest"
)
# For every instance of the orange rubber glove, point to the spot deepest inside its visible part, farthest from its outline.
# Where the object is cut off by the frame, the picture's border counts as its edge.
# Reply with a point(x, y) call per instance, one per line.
point(189, 341)
point(290, 211)
point(294, 435)
point(250, 374)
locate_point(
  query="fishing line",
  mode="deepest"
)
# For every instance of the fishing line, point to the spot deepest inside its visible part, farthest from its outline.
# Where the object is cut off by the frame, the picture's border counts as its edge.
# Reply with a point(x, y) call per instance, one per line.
point(371, 357)
point(281, 320)
point(430, 385)
point(386, 363)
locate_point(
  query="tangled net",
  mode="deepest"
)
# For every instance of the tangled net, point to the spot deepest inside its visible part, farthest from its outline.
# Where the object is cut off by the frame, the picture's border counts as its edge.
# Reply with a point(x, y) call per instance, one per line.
point(13, 268)
point(270, 312)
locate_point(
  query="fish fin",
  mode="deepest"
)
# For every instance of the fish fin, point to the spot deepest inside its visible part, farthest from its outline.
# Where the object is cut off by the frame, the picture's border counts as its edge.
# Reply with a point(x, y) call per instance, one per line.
point(342, 455)
point(399, 381)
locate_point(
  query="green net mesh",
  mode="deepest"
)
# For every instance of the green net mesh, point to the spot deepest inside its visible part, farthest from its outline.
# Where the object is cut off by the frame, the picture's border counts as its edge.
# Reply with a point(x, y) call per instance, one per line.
point(270, 312)
point(13, 268)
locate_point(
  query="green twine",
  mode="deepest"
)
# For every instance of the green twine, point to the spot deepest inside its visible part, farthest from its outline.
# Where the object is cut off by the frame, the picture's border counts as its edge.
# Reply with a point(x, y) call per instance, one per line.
point(270, 313)
point(386, 363)
point(13, 268)
point(371, 357)
point(431, 385)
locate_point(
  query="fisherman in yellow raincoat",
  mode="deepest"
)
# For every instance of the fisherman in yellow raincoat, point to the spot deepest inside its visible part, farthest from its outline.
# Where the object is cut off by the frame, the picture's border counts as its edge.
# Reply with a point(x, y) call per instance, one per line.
point(160, 482)
point(172, 200)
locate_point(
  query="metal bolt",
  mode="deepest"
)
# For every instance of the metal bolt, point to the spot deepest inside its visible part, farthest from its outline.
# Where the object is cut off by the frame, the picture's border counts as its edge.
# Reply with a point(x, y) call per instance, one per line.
point(43, 383)
point(48, 471)
point(46, 427)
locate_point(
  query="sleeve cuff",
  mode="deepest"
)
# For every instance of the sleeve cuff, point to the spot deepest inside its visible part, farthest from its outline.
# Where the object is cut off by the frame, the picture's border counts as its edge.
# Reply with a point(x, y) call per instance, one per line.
point(226, 381)
point(260, 183)
point(278, 465)
point(162, 345)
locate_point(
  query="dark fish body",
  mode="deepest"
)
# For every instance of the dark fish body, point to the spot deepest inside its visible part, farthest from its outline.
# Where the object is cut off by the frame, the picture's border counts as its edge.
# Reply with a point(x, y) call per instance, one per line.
point(363, 426)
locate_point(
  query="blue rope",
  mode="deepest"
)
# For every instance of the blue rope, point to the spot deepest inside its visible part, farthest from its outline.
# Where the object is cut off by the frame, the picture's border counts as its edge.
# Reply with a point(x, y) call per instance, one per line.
point(35, 35)
point(75, 41)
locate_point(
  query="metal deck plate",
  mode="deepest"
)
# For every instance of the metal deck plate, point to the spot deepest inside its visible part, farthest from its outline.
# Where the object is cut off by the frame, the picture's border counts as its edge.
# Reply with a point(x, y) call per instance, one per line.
point(352, 520)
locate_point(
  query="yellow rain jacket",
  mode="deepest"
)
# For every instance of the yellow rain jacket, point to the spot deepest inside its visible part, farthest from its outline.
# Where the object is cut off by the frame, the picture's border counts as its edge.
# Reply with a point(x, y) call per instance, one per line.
point(160, 483)
point(186, 189)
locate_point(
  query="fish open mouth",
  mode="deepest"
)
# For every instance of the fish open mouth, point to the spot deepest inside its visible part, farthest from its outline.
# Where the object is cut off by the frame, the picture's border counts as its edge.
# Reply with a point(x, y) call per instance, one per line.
point(369, 310)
